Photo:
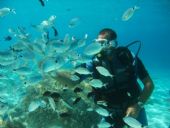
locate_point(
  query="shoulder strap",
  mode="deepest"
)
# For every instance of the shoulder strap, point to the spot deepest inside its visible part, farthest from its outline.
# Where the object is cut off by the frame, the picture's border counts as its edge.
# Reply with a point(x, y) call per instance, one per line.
point(134, 42)
point(135, 57)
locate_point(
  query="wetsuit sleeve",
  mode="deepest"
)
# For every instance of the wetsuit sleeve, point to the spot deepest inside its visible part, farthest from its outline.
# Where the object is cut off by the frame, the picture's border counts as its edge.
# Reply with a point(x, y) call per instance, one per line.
point(141, 70)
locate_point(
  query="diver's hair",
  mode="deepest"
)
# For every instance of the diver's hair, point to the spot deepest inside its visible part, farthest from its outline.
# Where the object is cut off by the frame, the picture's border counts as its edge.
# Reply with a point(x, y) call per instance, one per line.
point(109, 34)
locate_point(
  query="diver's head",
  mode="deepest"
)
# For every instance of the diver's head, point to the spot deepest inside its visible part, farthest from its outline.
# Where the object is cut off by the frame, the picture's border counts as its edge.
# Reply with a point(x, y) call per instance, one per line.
point(108, 34)
point(107, 37)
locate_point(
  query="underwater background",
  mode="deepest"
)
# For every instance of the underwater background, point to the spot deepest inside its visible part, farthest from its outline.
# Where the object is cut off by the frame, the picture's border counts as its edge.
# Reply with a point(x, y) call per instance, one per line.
point(150, 24)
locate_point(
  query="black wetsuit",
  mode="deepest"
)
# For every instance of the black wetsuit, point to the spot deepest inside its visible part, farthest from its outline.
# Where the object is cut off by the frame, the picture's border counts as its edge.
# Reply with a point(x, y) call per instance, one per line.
point(123, 89)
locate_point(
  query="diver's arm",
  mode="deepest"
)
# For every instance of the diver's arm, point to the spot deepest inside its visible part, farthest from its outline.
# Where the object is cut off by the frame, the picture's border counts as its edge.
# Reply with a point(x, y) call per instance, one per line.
point(65, 79)
point(134, 110)
point(147, 90)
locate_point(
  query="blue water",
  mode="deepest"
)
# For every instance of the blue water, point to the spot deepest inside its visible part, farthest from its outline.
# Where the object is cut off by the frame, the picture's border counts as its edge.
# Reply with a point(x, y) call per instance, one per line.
point(150, 24)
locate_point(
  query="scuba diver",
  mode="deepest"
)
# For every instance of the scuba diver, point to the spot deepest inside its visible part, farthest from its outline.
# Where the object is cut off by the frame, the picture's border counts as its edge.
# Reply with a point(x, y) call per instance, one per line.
point(122, 93)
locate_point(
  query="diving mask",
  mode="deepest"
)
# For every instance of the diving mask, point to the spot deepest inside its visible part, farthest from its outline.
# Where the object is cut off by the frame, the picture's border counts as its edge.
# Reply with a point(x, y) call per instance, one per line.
point(106, 43)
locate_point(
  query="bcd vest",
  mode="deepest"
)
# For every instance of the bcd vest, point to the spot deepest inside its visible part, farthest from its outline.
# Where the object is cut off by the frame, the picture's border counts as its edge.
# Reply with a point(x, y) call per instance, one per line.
point(120, 63)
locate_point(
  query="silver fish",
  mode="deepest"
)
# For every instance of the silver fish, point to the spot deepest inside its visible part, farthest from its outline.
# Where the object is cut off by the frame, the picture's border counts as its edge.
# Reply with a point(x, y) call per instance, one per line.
point(103, 112)
point(52, 103)
point(60, 46)
point(5, 68)
point(48, 23)
point(101, 102)
point(73, 22)
point(129, 13)
point(7, 62)
point(45, 24)
point(103, 71)
point(27, 55)
point(74, 77)
point(7, 55)
point(93, 49)
point(96, 83)
point(23, 70)
point(36, 104)
point(132, 122)
point(82, 42)
point(33, 79)
point(5, 11)
point(104, 124)
point(83, 59)
point(18, 47)
point(51, 64)
point(82, 70)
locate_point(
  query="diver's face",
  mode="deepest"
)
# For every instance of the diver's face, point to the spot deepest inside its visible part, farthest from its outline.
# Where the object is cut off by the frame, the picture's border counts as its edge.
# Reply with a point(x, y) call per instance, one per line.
point(102, 39)
point(102, 36)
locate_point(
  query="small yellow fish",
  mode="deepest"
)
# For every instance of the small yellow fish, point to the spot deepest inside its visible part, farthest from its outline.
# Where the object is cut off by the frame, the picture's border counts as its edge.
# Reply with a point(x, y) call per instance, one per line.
point(129, 13)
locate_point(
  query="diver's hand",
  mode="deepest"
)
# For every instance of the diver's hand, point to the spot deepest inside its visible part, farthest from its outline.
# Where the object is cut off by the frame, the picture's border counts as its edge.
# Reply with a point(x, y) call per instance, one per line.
point(133, 111)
